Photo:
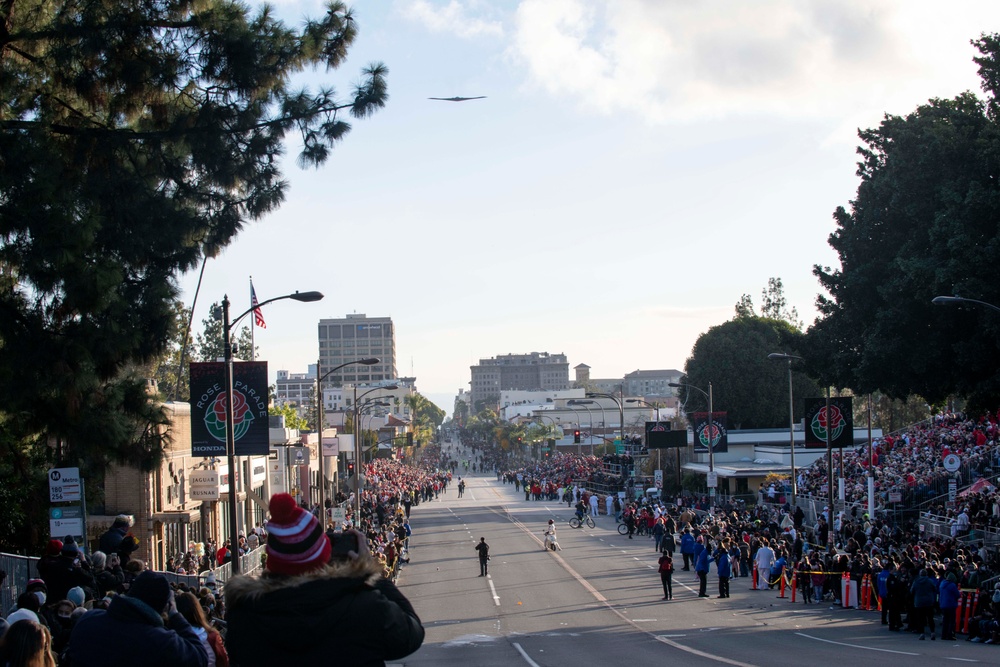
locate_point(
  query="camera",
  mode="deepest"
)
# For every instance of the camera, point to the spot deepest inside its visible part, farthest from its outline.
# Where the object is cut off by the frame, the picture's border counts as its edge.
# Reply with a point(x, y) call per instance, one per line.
point(343, 543)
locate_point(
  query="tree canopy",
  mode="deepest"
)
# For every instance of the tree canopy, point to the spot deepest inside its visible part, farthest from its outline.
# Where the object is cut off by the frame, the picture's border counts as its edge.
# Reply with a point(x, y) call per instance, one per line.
point(925, 222)
point(136, 137)
point(751, 388)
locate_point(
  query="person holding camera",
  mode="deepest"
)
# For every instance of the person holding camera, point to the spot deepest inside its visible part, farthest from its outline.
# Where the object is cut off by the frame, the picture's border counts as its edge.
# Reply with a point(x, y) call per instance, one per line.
point(318, 601)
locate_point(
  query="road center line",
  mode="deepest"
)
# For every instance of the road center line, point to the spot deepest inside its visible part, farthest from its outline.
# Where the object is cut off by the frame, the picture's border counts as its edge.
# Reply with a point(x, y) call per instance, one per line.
point(496, 598)
point(865, 648)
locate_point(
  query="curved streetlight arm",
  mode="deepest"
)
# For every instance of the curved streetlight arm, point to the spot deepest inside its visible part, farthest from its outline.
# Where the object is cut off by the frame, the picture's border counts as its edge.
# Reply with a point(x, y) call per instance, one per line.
point(305, 297)
point(953, 300)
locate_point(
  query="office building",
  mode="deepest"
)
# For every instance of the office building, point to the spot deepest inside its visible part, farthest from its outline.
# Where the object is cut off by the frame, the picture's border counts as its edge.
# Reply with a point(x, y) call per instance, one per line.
point(354, 337)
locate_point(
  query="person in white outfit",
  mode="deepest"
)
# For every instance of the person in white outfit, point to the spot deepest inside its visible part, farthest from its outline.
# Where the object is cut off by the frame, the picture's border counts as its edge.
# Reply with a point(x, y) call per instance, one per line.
point(609, 504)
point(594, 505)
point(764, 560)
point(550, 537)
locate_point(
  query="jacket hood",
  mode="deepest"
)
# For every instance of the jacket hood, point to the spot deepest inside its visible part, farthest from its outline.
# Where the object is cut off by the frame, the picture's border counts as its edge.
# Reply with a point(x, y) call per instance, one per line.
point(298, 610)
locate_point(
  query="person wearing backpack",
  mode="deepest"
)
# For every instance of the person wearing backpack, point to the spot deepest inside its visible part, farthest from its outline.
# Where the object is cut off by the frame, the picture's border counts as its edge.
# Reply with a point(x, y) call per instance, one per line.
point(666, 575)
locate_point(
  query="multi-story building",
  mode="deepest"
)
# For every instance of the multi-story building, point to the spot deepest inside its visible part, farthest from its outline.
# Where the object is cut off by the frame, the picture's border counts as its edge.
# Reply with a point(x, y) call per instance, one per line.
point(298, 389)
point(652, 384)
point(537, 370)
point(355, 337)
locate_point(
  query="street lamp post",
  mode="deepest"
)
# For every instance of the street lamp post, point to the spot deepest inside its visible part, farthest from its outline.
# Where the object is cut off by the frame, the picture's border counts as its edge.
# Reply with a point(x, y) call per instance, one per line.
point(657, 408)
point(590, 439)
point(227, 349)
point(357, 451)
point(780, 356)
point(711, 445)
point(621, 411)
point(320, 426)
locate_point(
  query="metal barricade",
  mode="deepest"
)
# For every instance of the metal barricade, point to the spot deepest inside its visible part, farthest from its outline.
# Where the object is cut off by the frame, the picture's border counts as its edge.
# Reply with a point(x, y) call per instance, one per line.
point(19, 569)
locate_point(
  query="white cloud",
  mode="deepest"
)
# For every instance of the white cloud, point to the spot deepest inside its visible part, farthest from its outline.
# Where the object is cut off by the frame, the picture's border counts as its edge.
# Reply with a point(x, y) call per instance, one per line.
point(676, 60)
point(454, 18)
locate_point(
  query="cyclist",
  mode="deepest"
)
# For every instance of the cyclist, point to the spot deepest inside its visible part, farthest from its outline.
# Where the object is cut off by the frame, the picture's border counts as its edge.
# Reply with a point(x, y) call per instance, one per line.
point(581, 509)
point(550, 536)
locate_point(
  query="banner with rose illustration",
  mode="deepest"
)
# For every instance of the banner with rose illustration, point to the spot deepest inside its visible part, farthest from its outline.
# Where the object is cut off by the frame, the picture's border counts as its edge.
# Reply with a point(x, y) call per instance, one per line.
point(209, 404)
point(715, 432)
point(840, 422)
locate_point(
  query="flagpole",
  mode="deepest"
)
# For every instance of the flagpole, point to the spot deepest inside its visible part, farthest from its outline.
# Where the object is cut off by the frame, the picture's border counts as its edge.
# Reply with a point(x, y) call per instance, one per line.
point(253, 323)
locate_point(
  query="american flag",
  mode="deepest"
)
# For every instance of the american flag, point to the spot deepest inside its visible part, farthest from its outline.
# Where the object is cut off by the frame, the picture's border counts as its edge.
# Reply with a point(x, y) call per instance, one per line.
point(258, 316)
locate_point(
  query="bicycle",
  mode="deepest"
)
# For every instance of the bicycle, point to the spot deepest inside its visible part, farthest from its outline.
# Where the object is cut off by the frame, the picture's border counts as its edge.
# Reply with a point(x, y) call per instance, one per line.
point(622, 529)
point(577, 522)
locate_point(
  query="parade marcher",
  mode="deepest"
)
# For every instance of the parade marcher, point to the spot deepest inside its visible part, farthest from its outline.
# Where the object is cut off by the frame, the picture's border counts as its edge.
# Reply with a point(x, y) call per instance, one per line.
point(317, 603)
point(666, 570)
point(483, 550)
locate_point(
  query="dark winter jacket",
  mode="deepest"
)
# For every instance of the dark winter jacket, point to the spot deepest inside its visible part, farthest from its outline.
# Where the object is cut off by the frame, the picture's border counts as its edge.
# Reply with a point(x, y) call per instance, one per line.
point(924, 592)
point(949, 594)
point(687, 543)
point(700, 559)
point(130, 633)
point(64, 573)
point(346, 614)
point(724, 565)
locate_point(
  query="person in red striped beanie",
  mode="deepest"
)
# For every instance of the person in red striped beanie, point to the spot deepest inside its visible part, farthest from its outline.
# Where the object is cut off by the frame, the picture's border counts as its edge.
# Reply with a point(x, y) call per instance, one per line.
point(316, 600)
point(296, 542)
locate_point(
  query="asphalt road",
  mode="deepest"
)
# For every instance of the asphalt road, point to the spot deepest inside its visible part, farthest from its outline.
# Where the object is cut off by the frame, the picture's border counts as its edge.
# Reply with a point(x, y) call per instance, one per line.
point(599, 600)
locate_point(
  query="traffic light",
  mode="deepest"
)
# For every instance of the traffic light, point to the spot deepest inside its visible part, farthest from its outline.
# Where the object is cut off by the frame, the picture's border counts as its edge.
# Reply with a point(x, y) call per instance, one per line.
point(350, 469)
point(409, 439)
point(576, 437)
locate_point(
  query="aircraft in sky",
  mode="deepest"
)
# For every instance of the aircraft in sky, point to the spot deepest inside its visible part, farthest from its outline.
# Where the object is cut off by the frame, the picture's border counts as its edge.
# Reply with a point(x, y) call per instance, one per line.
point(457, 99)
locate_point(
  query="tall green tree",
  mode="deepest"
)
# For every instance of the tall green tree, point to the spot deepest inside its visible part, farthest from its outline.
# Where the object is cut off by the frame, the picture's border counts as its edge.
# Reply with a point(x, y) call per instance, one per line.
point(136, 137)
point(751, 388)
point(210, 341)
point(925, 222)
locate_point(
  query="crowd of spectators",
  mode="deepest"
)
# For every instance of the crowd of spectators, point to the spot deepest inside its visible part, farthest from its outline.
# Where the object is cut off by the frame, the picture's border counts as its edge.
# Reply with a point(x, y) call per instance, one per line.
point(912, 463)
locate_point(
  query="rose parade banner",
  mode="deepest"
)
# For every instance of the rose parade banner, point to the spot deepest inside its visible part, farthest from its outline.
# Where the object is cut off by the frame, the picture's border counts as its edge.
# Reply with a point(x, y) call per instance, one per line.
point(839, 423)
point(712, 431)
point(209, 404)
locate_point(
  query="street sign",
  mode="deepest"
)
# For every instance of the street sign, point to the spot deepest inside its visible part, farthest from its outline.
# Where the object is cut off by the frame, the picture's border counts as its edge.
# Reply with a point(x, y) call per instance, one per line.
point(895, 497)
point(338, 515)
point(658, 479)
point(952, 463)
point(65, 521)
point(203, 485)
point(298, 456)
point(712, 479)
point(64, 485)
point(952, 490)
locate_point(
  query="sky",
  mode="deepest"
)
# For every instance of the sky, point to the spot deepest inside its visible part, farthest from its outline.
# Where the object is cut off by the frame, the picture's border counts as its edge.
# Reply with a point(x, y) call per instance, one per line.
point(636, 167)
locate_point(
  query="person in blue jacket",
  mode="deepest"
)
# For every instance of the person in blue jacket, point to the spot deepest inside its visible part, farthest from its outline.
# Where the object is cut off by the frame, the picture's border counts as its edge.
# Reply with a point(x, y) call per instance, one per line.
point(882, 586)
point(724, 567)
point(701, 567)
point(948, 601)
point(687, 548)
point(142, 627)
point(925, 592)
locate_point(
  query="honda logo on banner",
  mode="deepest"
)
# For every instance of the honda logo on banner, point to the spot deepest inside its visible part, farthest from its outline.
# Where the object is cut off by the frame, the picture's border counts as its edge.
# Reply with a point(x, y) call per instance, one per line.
point(210, 404)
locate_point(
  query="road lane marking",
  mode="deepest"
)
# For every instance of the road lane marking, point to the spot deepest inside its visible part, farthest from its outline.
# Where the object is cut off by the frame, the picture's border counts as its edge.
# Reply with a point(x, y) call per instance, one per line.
point(524, 655)
point(610, 607)
point(865, 648)
point(962, 659)
point(496, 598)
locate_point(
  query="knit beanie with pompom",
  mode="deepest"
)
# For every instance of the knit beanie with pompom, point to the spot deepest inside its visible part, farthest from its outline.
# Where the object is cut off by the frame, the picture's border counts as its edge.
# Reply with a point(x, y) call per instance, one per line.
point(296, 542)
